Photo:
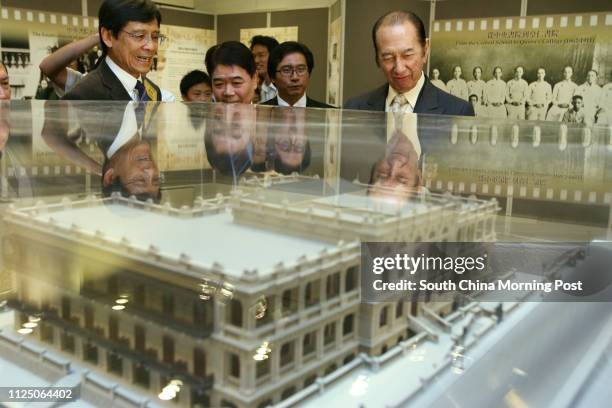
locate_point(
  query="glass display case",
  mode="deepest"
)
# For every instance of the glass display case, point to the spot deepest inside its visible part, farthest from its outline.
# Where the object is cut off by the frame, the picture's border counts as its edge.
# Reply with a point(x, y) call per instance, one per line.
point(212, 255)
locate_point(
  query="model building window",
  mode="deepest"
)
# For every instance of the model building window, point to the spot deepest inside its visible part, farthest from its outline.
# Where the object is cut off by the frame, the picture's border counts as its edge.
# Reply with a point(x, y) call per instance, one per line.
point(113, 286)
point(234, 365)
point(234, 313)
point(265, 404)
point(141, 375)
point(139, 339)
point(348, 359)
point(382, 321)
point(287, 353)
point(330, 369)
point(66, 313)
point(89, 317)
point(350, 281)
point(114, 363)
point(310, 380)
point(262, 368)
point(90, 353)
point(113, 328)
point(46, 333)
point(399, 309)
point(140, 294)
point(311, 293)
point(199, 313)
point(329, 333)
point(287, 393)
point(67, 342)
point(333, 285)
point(347, 325)
point(168, 349)
point(289, 301)
point(168, 304)
point(199, 363)
point(309, 344)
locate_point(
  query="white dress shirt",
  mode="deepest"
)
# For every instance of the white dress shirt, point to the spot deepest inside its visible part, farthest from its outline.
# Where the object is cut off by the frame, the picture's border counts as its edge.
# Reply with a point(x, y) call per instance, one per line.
point(129, 83)
point(411, 96)
point(301, 103)
point(267, 91)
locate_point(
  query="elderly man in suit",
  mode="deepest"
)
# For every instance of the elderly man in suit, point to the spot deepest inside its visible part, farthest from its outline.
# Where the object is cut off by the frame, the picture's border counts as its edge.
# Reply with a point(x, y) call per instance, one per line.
point(290, 66)
point(401, 49)
point(129, 37)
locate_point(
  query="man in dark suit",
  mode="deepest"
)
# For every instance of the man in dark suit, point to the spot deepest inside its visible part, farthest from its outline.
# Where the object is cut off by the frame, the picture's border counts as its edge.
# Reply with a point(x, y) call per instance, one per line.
point(129, 37)
point(401, 49)
point(290, 66)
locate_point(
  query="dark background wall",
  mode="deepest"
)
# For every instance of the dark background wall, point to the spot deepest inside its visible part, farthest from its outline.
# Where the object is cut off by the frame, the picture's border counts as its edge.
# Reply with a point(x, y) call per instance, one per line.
point(360, 71)
point(312, 31)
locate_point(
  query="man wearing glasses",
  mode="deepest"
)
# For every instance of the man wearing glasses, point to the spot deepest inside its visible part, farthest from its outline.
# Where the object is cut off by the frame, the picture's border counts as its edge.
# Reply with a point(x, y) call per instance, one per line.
point(290, 66)
point(129, 37)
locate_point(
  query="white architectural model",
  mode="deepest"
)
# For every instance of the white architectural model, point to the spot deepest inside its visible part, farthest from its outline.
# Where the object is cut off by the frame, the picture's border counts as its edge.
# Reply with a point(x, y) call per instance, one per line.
point(236, 301)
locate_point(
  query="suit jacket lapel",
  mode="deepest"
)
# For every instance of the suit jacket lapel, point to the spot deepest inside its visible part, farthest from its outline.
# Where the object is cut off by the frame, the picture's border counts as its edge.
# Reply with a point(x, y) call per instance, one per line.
point(377, 98)
point(113, 85)
point(428, 99)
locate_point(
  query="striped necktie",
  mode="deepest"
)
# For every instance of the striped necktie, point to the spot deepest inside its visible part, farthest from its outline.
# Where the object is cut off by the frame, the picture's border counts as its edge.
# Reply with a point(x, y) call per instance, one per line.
point(142, 92)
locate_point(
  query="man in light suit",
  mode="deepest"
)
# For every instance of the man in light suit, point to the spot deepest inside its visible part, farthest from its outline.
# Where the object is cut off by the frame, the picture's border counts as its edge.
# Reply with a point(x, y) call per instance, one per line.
point(401, 49)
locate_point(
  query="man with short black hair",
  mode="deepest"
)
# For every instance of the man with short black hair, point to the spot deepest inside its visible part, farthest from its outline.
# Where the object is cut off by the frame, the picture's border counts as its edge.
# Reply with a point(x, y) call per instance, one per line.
point(233, 74)
point(401, 49)
point(290, 66)
point(5, 88)
point(196, 87)
point(129, 37)
point(262, 47)
point(575, 114)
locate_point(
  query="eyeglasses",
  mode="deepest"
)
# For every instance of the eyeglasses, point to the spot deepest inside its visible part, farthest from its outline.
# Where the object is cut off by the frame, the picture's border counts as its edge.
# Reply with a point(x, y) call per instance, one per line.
point(143, 38)
point(288, 71)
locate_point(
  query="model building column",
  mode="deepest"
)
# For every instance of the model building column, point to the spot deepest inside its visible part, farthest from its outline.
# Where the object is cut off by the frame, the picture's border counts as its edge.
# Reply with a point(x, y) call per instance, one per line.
point(320, 334)
point(247, 377)
point(275, 363)
point(219, 312)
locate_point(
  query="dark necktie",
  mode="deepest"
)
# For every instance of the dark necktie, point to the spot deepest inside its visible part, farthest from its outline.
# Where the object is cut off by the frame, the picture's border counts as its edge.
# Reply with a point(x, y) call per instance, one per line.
point(142, 93)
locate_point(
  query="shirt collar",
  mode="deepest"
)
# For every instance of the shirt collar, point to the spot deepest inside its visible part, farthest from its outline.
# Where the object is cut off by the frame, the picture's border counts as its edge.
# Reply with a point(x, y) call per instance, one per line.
point(301, 103)
point(411, 96)
point(266, 88)
point(127, 80)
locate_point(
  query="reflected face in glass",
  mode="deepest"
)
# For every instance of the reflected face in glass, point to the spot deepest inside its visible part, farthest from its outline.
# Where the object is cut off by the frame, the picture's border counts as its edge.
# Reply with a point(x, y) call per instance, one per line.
point(541, 74)
point(135, 170)
point(261, 55)
point(4, 128)
point(396, 176)
point(201, 92)
point(400, 55)
point(233, 84)
point(5, 89)
point(290, 140)
point(292, 77)
point(134, 46)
